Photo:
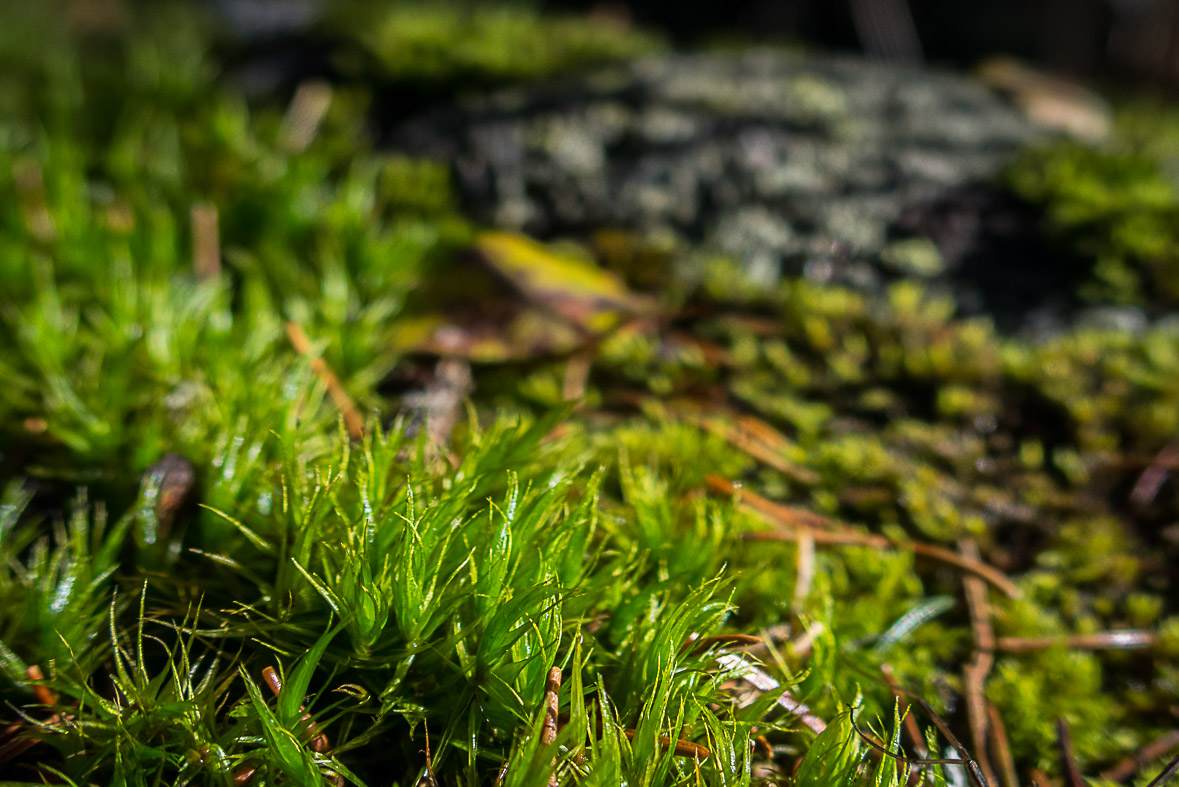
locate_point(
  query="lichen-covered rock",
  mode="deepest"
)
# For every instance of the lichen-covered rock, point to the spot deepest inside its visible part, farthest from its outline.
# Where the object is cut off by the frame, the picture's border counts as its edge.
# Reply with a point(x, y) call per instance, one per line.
point(795, 164)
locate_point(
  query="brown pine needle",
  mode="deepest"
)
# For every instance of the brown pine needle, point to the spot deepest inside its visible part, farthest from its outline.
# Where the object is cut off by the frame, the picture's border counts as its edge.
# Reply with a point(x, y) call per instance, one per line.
point(974, 674)
point(787, 515)
point(679, 747)
point(992, 575)
point(1001, 747)
point(352, 418)
point(1068, 760)
point(427, 778)
point(1129, 766)
point(756, 438)
point(787, 523)
point(1127, 639)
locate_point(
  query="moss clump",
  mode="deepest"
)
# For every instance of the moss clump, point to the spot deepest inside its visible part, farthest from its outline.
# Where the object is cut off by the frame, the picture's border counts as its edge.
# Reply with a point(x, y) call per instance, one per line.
point(1117, 206)
point(414, 43)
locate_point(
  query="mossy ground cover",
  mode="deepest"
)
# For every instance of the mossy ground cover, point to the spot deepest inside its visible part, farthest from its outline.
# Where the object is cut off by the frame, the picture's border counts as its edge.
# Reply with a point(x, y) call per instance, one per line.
point(237, 547)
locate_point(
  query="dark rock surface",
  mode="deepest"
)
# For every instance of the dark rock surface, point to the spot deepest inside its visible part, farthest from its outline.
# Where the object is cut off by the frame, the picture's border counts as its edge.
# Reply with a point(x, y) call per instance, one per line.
point(795, 164)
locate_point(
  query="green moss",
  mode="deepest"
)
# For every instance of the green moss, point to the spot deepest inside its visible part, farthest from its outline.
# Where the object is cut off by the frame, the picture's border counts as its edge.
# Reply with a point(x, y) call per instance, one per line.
point(1116, 205)
point(1039, 690)
point(415, 42)
point(399, 584)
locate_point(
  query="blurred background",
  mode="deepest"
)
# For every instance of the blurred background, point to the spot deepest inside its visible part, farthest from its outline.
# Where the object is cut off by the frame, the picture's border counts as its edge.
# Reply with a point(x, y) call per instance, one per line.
point(1113, 39)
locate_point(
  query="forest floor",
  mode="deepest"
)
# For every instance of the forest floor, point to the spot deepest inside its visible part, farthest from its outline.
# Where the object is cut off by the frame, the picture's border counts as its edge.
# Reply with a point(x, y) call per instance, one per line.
point(427, 396)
